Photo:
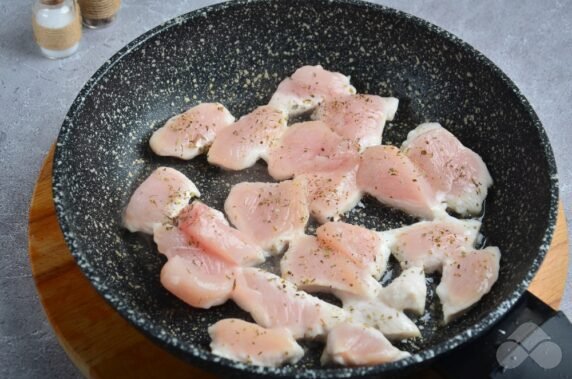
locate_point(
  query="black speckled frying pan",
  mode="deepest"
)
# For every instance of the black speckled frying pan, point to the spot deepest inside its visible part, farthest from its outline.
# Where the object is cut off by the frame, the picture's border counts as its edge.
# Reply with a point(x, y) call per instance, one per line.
point(237, 53)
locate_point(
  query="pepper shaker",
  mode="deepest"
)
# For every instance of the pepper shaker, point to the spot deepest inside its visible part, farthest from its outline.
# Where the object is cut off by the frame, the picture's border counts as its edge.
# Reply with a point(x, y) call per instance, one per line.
point(99, 13)
point(57, 27)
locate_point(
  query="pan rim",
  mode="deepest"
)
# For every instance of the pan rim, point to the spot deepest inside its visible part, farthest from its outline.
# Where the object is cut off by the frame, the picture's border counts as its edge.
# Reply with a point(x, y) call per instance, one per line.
point(204, 358)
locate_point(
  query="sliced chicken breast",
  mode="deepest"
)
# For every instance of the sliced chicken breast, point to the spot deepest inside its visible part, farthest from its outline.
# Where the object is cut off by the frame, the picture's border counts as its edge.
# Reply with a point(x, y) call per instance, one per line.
point(169, 238)
point(360, 118)
point(241, 144)
point(385, 311)
point(407, 292)
point(200, 279)
point(375, 313)
point(317, 268)
point(274, 302)
point(351, 344)
point(389, 176)
point(428, 243)
point(467, 277)
point(252, 344)
point(366, 248)
point(190, 133)
point(447, 245)
point(158, 199)
point(452, 169)
point(207, 228)
point(271, 214)
point(309, 147)
point(334, 192)
point(308, 87)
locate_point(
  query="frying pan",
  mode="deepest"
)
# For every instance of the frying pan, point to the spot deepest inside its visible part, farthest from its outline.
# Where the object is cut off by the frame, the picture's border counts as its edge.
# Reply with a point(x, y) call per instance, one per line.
point(237, 53)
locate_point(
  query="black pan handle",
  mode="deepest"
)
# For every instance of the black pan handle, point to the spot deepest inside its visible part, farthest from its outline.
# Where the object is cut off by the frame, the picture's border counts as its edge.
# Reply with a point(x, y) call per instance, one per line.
point(531, 341)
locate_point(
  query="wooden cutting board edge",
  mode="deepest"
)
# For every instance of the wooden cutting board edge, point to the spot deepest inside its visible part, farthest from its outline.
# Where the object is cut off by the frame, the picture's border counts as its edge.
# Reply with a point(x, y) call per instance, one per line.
point(102, 344)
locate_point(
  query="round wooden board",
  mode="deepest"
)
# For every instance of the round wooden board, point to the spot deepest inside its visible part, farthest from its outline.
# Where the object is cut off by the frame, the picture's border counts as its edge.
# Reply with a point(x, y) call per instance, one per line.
point(103, 345)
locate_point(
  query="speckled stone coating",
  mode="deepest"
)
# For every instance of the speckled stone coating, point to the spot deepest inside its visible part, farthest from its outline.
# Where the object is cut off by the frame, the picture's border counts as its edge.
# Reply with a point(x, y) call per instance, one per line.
point(236, 53)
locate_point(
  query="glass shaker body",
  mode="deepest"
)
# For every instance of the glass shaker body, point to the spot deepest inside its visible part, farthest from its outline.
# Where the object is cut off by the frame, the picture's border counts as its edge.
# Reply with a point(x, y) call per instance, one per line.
point(57, 27)
point(99, 13)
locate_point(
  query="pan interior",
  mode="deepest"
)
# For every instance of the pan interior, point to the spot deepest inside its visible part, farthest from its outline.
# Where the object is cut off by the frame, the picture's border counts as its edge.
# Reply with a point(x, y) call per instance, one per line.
point(236, 54)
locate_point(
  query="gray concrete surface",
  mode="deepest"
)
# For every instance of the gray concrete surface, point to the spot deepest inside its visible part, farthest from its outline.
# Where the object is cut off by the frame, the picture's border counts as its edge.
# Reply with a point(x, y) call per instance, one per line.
point(530, 40)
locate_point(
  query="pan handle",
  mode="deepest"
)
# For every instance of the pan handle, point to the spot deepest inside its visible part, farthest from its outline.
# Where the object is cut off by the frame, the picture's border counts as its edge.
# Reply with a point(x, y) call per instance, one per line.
point(531, 341)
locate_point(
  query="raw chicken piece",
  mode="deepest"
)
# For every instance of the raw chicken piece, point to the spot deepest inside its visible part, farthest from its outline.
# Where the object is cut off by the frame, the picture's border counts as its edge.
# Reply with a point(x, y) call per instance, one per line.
point(307, 87)
point(190, 133)
point(241, 144)
point(332, 193)
point(309, 147)
point(375, 313)
point(252, 344)
point(169, 238)
point(158, 199)
point(366, 248)
point(427, 243)
point(316, 268)
point(452, 169)
point(193, 275)
point(271, 214)
point(391, 178)
point(447, 245)
point(359, 118)
point(467, 277)
point(406, 292)
point(207, 228)
point(328, 164)
point(355, 345)
point(198, 278)
point(274, 302)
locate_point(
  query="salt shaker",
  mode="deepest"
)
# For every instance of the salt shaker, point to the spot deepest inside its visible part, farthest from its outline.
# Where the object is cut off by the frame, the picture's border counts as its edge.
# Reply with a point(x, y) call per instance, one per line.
point(99, 13)
point(57, 27)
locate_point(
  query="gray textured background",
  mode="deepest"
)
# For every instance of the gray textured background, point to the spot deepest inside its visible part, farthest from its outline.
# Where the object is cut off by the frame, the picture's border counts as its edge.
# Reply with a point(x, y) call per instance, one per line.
point(530, 40)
